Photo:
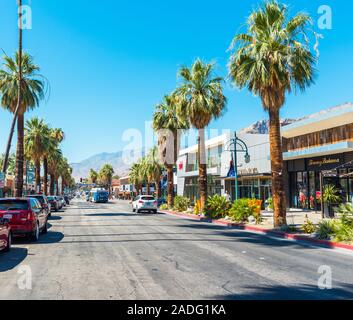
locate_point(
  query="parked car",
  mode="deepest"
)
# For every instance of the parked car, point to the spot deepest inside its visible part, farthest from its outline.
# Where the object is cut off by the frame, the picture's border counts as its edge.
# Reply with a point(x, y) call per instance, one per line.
point(43, 201)
point(54, 204)
point(67, 200)
point(5, 235)
point(145, 203)
point(62, 200)
point(26, 216)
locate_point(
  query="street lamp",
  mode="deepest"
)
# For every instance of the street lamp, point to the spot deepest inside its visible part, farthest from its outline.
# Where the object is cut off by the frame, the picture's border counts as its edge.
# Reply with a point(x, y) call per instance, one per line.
point(236, 145)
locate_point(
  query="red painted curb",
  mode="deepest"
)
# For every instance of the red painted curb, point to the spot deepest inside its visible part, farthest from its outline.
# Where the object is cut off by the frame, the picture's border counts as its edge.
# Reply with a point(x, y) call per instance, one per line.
point(276, 233)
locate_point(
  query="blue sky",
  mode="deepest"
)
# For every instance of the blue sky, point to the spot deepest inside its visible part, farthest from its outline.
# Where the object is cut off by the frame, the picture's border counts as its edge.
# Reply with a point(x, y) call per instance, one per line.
point(109, 62)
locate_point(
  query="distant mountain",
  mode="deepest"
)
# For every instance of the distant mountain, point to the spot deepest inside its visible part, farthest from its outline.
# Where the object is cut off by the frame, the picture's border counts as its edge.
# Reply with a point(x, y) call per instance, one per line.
point(81, 169)
point(262, 126)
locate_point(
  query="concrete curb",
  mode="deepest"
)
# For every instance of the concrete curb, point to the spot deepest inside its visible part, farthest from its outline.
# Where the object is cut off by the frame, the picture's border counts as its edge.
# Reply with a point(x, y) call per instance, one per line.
point(274, 233)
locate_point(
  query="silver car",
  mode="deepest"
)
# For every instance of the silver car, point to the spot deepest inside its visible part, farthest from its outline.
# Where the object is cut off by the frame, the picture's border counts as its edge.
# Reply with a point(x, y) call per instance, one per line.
point(145, 203)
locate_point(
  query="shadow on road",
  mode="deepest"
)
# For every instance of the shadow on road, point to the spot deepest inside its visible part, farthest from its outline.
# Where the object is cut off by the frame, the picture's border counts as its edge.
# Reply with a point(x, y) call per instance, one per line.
point(304, 292)
point(49, 238)
point(12, 259)
point(54, 218)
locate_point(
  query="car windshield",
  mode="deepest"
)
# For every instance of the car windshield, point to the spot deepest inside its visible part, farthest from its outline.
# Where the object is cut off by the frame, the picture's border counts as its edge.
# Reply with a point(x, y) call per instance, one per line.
point(147, 198)
point(39, 198)
point(13, 205)
point(51, 198)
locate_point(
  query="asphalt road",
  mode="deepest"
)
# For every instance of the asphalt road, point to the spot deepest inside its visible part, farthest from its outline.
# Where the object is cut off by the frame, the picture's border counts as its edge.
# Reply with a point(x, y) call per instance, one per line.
point(104, 251)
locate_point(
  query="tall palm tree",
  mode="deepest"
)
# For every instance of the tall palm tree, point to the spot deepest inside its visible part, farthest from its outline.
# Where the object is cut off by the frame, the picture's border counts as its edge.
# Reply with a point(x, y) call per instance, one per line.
point(93, 175)
point(146, 176)
point(201, 99)
point(54, 158)
point(11, 163)
point(154, 169)
point(19, 91)
point(169, 126)
point(106, 176)
point(135, 177)
point(274, 58)
point(37, 135)
point(56, 136)
point(32, 91)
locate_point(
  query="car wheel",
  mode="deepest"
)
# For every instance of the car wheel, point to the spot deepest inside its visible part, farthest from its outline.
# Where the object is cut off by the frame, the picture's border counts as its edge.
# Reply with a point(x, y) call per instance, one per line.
point(133, 209)
point(45, 228)
point(9, 243)
point(137, 211)
point(35, 235)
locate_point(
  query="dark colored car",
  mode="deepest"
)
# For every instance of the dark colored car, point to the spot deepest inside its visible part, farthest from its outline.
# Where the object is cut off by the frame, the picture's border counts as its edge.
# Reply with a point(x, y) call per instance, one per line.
point(54, 203)
point(43, 201)
point(67, 200)
point(26, 217)
point(5, 235)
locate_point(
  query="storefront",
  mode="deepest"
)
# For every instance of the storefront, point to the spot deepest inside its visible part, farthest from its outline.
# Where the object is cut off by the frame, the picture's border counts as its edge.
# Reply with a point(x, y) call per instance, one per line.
point(307, 178)
point(318, 151)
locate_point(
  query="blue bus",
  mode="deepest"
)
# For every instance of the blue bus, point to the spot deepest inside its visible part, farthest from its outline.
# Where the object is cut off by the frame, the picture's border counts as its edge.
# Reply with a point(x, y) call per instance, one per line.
point(99, 195)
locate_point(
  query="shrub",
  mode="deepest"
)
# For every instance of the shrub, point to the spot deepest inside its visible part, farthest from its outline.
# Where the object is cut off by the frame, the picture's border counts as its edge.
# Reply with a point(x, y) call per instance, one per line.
point(308, 226)
point(217, 207)
point(326, 229)
point(181, 204)
point(344, 230)
point(164, 207)
point(242, 209)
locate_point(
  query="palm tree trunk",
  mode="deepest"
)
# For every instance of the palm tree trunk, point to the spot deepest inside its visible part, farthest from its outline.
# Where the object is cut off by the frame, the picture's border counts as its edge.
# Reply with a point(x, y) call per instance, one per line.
point(170, 177)
point(57, 186)
point(19, 157)
point(279, 198)
point(158, 189)
point(45, 167)
point(52, 185)
point(19, 95)
point(38, 184)
point(202, 168)
point(148, 189)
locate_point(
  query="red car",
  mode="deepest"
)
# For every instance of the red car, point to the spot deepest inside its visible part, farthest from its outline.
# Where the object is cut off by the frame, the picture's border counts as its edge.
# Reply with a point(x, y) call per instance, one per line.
point(26, 216)
point(5, 235)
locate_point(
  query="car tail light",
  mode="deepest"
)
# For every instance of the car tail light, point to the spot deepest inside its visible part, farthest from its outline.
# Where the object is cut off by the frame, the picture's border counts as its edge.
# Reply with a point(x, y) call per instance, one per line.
point(141, 202)
point(30, 216)
point(156, 202)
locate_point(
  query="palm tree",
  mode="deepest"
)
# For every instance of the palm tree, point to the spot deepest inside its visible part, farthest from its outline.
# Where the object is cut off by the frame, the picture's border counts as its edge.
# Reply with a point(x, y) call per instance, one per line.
point(19, 91)
point(93, 175)
point(56, 136)
point(11, 163)
point(106, 176)
point(274, 58)
point(201, 99)
point(37, 135)
point(32, 91)
point(54, 158)
point(146, 175)
point(154, 169)
point(135, 177)
point(168, 127)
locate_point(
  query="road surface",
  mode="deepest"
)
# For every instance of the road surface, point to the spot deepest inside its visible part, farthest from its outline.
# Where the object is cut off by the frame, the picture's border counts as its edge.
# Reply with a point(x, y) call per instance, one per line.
point(104, 251)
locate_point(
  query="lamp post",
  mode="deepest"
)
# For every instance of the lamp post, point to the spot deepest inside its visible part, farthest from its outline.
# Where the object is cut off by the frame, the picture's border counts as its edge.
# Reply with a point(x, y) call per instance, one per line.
point(236, 145)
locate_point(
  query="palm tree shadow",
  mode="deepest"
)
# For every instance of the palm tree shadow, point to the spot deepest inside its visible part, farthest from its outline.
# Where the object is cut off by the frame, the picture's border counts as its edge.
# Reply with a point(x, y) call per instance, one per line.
point(12, 259)
point(303, 292)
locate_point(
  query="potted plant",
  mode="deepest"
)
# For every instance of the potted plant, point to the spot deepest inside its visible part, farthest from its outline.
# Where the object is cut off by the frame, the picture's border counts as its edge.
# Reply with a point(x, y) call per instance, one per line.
point(331, 197)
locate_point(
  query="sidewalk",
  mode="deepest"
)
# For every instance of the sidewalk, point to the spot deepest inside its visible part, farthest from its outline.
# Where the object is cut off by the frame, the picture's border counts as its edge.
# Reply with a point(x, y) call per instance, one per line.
point(294, 217)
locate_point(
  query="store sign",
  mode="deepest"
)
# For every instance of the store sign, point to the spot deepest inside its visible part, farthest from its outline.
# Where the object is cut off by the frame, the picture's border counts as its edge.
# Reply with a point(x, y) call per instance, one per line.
point(324, 163)
point(248, 171)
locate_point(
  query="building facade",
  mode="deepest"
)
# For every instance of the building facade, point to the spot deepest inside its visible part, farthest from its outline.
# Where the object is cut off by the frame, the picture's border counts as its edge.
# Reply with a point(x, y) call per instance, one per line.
point(254, 178)
point(318, 151)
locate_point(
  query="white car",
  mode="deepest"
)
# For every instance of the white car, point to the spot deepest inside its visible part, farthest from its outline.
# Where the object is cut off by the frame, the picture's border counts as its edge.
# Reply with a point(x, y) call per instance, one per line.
point(145, 203)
